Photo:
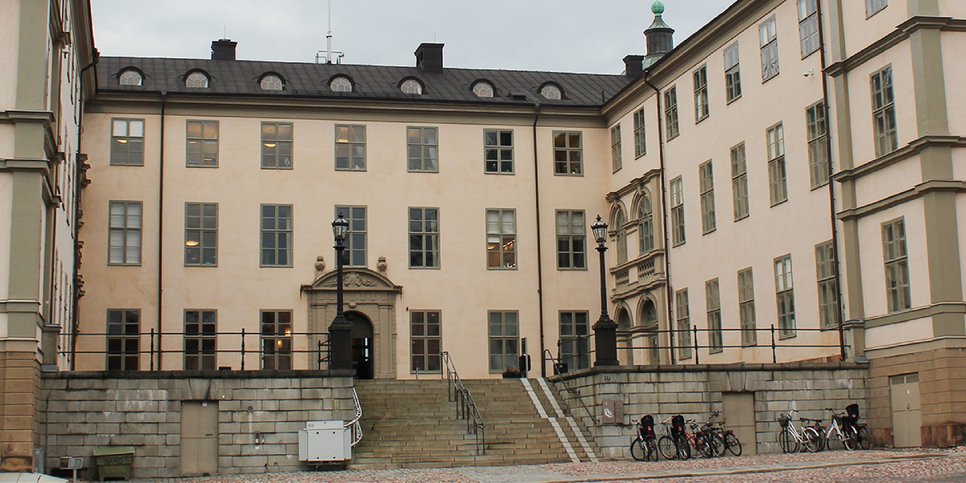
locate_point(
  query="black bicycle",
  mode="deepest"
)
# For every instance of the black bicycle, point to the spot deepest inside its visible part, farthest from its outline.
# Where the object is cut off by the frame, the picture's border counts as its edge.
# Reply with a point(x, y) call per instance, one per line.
point(644, 447)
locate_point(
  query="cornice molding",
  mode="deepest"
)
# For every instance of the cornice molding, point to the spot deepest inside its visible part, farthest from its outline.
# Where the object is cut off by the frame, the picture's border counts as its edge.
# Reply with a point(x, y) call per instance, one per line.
point(912, 149)
point(902, 197)
point(901, 33)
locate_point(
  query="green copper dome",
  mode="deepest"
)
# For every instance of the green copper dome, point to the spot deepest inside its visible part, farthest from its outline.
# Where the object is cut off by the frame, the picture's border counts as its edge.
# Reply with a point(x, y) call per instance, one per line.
point(657, 8)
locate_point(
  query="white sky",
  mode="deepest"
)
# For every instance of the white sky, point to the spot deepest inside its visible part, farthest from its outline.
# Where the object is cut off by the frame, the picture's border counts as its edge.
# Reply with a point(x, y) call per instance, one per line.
point(548, 35)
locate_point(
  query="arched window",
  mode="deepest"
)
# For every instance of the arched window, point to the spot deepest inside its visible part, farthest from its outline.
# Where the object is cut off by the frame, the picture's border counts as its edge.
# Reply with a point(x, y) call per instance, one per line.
point(411, 86)
point(130, 77)
point(623, 320)
point(620, 238)
point(645, 227)
point(196, 80)
point(272, 82)
point(648, 314)
point(483, 89)
point(340, 84)
point(551, 92)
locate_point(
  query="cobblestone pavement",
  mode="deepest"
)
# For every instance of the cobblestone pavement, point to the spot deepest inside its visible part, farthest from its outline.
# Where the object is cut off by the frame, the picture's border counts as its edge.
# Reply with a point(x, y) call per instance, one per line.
point(882, 466)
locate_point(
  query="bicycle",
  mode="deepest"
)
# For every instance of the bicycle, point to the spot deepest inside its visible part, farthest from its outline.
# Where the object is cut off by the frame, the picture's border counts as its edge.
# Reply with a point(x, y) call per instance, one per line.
point(674, 444)
point(729, 441)
point(792, 439)
point(702, 440)
point(862, 436)
point(839, 432)
point(644, 447)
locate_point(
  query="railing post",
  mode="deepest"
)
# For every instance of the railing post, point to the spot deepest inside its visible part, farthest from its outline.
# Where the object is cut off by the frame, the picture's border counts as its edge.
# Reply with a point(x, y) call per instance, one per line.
point(152, 348)
point(243, 349)
point(320, 354)
point(697, 358)
point(774, 354)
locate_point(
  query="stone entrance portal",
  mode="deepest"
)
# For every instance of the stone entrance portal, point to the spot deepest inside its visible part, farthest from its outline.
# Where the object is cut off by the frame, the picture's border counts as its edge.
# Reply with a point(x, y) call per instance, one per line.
point(370, 304)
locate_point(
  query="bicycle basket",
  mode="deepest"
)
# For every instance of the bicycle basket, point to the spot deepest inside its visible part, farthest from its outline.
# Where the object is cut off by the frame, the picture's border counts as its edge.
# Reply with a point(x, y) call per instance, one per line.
point(783, 420)
point(677, 425)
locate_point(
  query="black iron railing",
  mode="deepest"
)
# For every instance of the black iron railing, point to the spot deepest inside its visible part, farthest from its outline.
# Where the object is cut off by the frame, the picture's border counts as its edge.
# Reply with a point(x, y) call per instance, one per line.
point(466, 407)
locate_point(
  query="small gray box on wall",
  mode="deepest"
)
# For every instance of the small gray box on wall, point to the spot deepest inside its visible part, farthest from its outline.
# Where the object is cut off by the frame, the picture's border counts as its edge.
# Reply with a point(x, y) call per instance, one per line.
point(613, 412)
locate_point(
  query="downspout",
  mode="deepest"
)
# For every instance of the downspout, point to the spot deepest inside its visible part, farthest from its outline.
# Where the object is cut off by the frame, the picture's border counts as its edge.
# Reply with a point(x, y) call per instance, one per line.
point(664, 217)
point(78, 186)
point(164, 100)
point(831, 184)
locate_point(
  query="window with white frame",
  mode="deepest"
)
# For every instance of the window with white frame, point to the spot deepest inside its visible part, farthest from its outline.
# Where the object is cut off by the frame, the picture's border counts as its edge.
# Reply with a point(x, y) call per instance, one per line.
point(130, 77)
point(483, 89)
point(196, 80)
point(123, 339)
point(271, 82)
point(683, 328)
point(423, 149)
point(671, 113)
point(620, 236)
point(574, 340)
point(424, 238)
point(277, 144)
point(884, 112)
point(615, 148)
point(677, 211)
point(350, 147)
point(124, 237)
point(127, 142)
point(568, 153)
point(551, 92)
point(706, 179)
point(501, 239)
point(355, 252)
point(645, 225)
point(340, 84)
point(411, 87)
point(201, 143)
point(777, 182)
point(276, 239)
point(713, 303)
point(571, 240)
point(201, 234)
point(640, 135)
point(426, 340)
point(746, 307)
point(808, 26)
point(732, 72)
point(200, 339)
point(896, 260)
point(498, 151)
point(701, 106)
point(768, 39)
point(739, 182)
point(817, 130)
point(785, 296)
point(504, 339)
point(828, 311)
point(276, 339)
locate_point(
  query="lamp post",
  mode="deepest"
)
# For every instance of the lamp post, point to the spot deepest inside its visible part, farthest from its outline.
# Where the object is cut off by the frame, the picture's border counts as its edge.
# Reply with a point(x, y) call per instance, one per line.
point(605, 330)
point(340, 332)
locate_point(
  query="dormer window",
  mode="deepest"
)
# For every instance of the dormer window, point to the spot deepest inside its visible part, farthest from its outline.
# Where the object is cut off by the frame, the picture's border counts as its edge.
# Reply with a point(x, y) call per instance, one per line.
point(412, 87)
point(340, 84)
point(130, 77)
point(551, 92)
point(196, 80)
point(483, 89)
point(271, 82)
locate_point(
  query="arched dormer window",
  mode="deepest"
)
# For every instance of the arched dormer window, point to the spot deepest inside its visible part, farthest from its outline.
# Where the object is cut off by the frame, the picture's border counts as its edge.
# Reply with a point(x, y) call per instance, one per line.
point(340, 83)
point(196, 80)
point(551, 91)
point(483, 89)
point(648, 315)
point(645, 224)
point(620, 237)
point(272, 82)
point(130, 77)
point(412, 87)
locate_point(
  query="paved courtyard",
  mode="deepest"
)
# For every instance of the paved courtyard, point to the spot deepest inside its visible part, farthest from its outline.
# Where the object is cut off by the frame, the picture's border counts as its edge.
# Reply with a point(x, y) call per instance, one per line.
point(882, 466)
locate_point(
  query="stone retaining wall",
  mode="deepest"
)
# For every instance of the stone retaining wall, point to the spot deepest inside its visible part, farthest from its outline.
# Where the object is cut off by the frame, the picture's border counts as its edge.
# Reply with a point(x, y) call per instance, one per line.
point(90, 410)
point(695, 391)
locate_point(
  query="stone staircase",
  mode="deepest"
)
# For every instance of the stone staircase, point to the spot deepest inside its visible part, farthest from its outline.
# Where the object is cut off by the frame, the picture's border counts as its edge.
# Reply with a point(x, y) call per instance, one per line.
point(412, 424)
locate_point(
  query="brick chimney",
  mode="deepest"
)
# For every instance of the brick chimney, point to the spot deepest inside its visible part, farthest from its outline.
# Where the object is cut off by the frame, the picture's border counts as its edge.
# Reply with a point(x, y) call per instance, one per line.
point(429, 57)
point(223, 49)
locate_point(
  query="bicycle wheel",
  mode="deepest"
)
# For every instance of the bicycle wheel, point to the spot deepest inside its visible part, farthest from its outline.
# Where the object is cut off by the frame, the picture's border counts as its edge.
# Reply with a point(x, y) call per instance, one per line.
point(851, 439)
point(638, 451)
point(833, 440)
point(810, 439)
point(732, 444)
point(666, 447)
point(865, 438)
point(821, 437)
point(683, 447)
point(787, 442)
point(716, 441)
point(651, 446)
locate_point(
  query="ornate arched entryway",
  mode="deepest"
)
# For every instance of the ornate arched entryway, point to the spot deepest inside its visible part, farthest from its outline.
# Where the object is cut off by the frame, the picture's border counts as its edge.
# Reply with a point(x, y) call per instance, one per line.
point(370, 305)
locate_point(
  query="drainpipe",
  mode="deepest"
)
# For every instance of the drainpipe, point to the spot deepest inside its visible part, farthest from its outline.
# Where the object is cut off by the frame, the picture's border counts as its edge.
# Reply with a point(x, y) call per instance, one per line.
point(831, 184)
point(160, 295)
point(664, 216)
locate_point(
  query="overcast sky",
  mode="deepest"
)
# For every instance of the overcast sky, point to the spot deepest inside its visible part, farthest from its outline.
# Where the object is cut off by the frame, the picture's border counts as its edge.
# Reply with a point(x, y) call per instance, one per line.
point(549, 35)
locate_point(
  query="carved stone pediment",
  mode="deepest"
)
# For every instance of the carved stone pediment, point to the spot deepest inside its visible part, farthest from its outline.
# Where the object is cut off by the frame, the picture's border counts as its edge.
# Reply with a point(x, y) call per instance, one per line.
point(356, 279)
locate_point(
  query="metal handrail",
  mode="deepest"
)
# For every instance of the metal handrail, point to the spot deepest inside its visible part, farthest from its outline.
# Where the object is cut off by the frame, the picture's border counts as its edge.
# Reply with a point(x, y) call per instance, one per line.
point(555, 362)
point(354, 426)
point(466, 407)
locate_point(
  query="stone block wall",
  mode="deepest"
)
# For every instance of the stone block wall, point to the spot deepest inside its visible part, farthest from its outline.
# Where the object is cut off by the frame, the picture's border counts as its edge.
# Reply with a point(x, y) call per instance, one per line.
point(90, 410)
point(19, 418)
point(696, 391)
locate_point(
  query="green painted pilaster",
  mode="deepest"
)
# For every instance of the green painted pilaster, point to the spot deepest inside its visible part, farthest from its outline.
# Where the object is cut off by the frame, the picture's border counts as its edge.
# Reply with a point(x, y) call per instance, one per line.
point(32, 55)
point(924, 8)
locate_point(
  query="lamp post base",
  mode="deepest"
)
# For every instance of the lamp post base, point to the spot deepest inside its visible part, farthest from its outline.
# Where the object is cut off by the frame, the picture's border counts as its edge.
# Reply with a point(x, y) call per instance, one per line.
point(605, 342)
point(340, 343)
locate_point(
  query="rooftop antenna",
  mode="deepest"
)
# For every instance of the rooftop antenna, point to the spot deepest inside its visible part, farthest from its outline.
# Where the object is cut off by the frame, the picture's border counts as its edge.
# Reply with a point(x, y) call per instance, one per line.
point(328, 36)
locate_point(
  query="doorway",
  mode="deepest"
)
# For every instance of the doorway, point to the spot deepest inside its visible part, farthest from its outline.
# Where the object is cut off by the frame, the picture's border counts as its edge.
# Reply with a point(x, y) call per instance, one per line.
point(739, 415)
point(906, 412)
point(199, 438)
point(363, 350)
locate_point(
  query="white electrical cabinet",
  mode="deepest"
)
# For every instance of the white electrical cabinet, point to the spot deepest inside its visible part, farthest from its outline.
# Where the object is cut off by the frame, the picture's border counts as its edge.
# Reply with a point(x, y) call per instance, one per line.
point(324, 442)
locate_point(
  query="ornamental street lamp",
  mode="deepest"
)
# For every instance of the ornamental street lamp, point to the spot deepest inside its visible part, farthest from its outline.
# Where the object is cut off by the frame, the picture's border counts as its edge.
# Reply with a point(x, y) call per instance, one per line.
point(340, 332)
point(605, 330)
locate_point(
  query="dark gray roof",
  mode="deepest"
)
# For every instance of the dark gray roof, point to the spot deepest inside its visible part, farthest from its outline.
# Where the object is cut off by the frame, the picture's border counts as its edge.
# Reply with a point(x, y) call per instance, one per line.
point(241, 78)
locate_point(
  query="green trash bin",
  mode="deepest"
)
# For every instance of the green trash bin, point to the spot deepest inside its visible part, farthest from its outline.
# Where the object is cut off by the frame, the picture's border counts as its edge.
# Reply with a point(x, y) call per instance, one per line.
point(114, 462)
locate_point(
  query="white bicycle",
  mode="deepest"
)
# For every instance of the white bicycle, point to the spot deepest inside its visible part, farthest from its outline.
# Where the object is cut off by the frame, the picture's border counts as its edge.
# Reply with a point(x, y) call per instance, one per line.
point(793, 439)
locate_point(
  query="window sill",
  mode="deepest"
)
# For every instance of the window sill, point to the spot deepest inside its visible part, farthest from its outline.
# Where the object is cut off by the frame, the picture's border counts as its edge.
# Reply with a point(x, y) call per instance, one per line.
point(351, 170)
point(128, 164)
point(109, 264)
point(275, 266)
point(819, 186)
point(203, 166)
point(733, 100)
point(698, 120)
point(278, 168)
point(502, 269)
point(809, 54)
point(766, 79)
point(572, 269)
point(639, 156)
point(423, 268)
point(198, 265)
point(570, 175)
point(743, 217)
point(780, 202)
point(787, 336)
point(499, 173)
point(708, 232)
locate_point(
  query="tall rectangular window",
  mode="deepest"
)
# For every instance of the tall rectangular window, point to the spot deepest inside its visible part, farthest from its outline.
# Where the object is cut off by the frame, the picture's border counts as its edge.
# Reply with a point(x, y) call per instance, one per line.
point(571, 240)
point(574, 340)
point(706, 176)
point(873, 7)
point(355, 253)
point(777, 182)
point(896, 265)
point(501, 239)
point(123, 339)
point(677, 211)
point(567, 153)
point(732, 72)
point(746, 307)
point(423, 149)
point(615, 148)
point(125, 233)
point(276, 339)
point(739, 182)
point(640, 135)
point(276, 237)
point(884, 112)
point(683, 328)
point(127, 142)
point(701, 107)
point(200, 337)
point(713, 302)
point(828, 307)
point(817, 129)
point(202, 144)
point(350, 147)
point(645, 228)
point(671, 113)
point(808, 26)
point(498, 151)
point(785, 296)
point(277, 145)
point(426, 341)
point(201, 234)
point(504, 338)
point(424, 238)
point(768, 39)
